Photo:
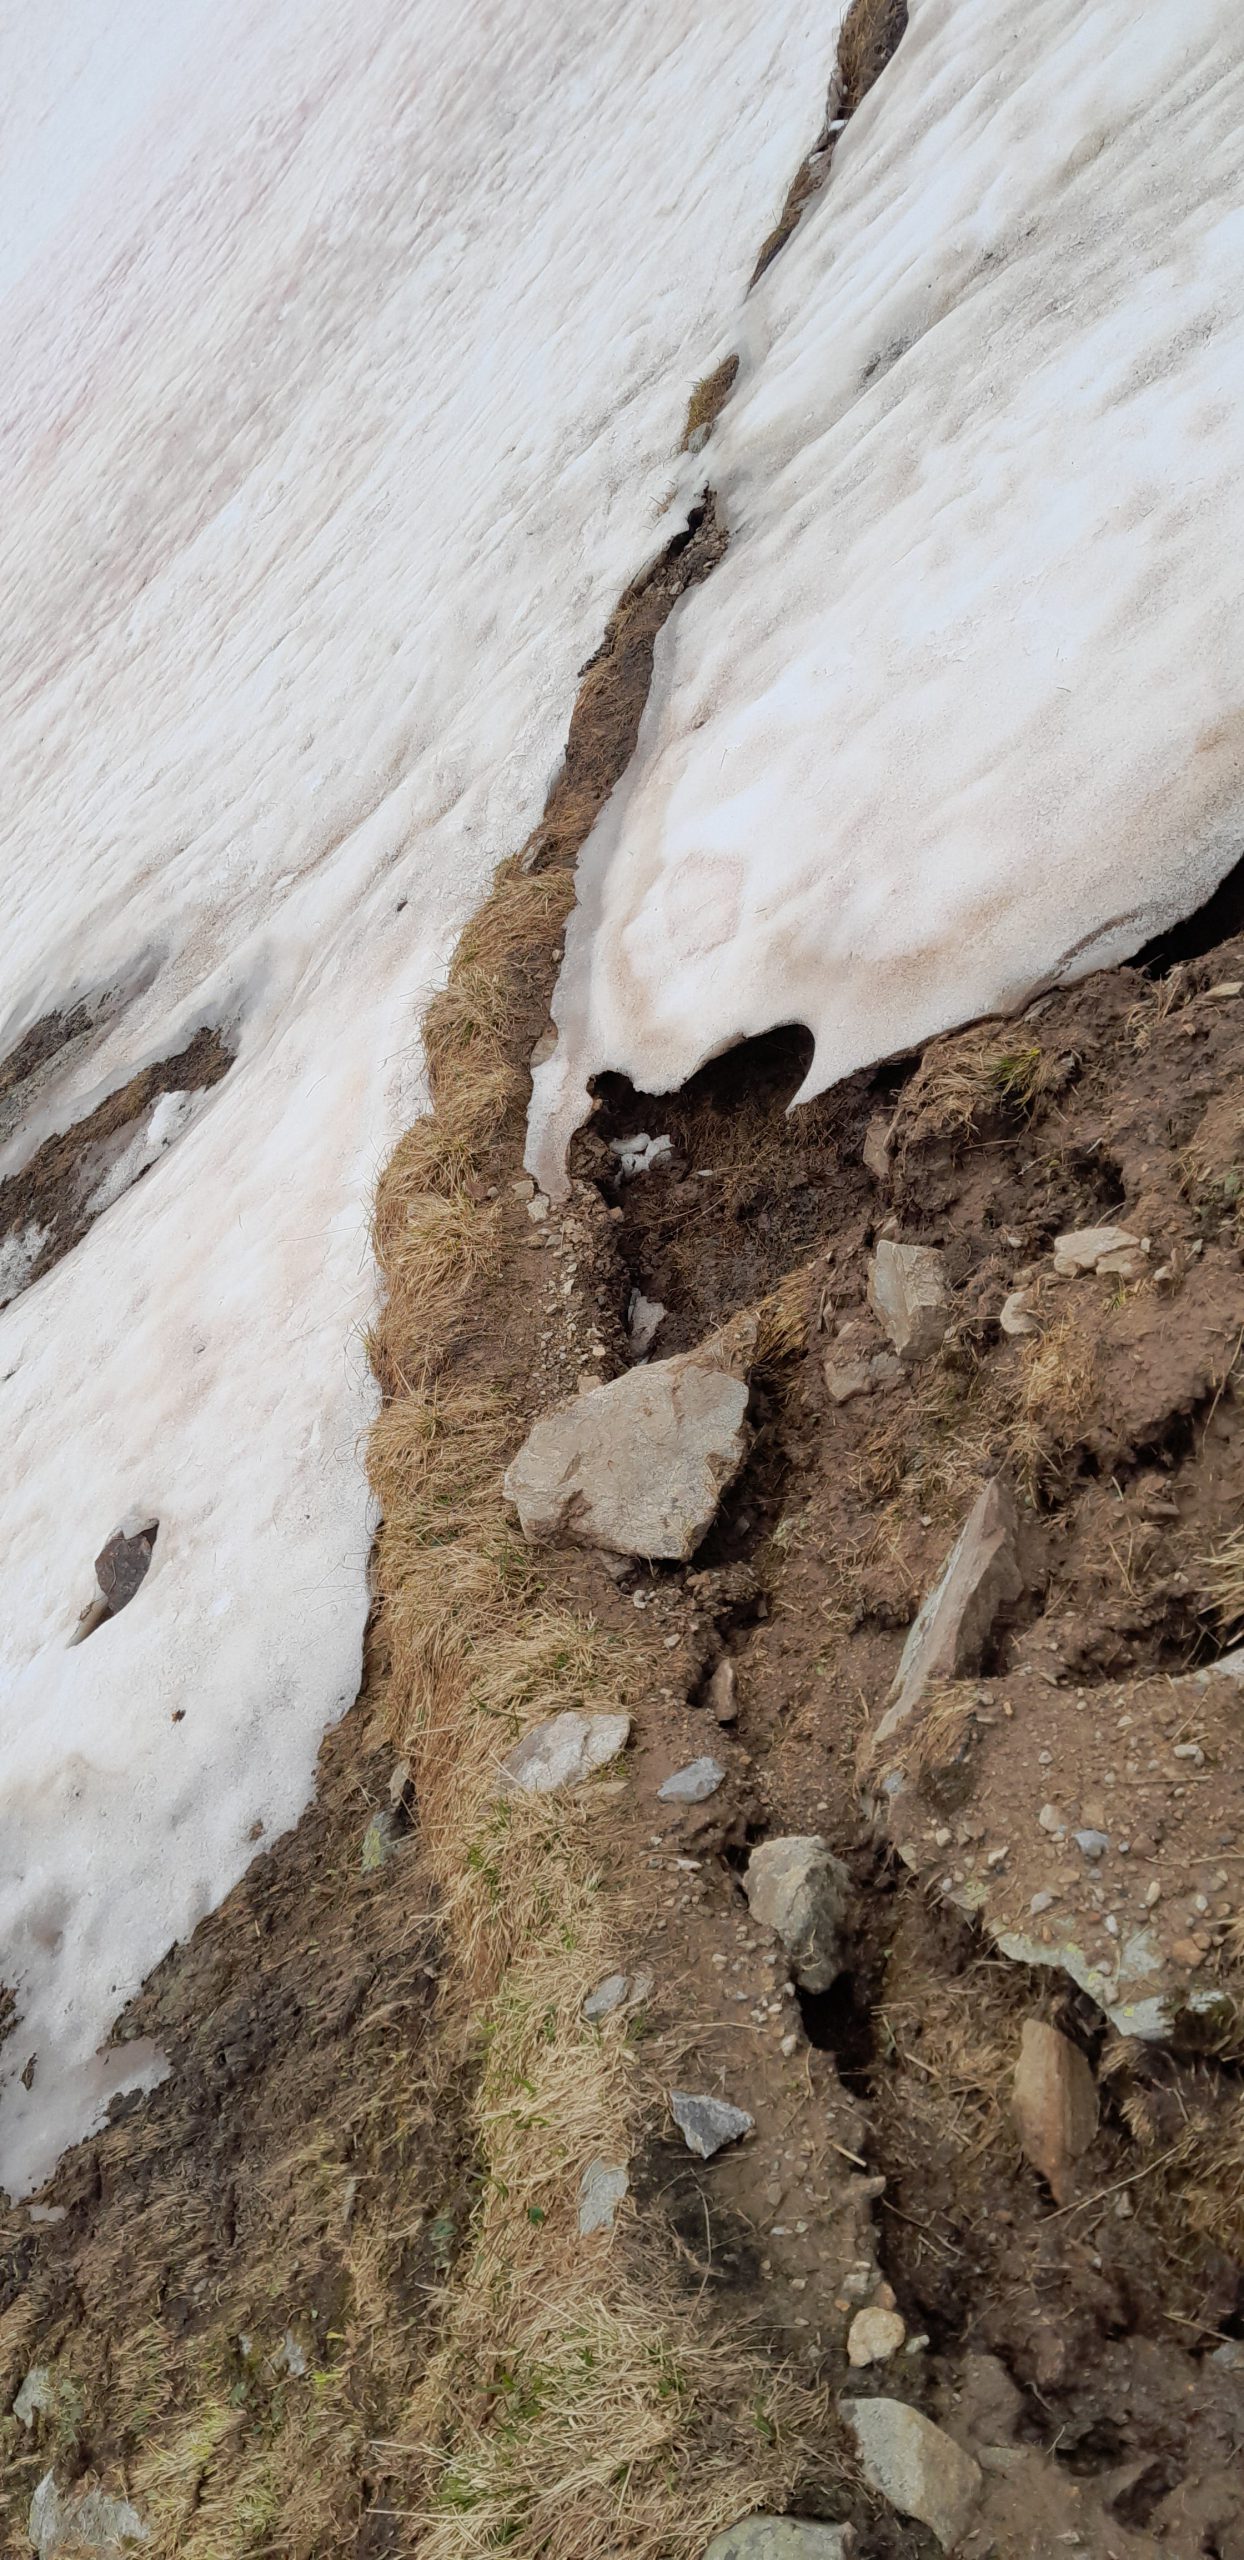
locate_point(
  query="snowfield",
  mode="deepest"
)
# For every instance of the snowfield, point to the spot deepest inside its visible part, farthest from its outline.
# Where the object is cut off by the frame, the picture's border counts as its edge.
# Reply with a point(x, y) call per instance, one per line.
point(960, 710)
point(344, 356)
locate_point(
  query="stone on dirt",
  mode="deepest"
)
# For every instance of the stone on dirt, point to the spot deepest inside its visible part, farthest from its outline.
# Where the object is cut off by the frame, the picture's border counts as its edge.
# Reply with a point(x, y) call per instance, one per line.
point(908, 1293)
point(875, 2335)
point(1017, 1316)
point(876, 1148)
point(694, 1784)
point(601, 2190)
point(1054, 2104)
point(915, 2465)
point(782, 2538)
point(608, 1996)
point(639, 1466)
point(797, 1887)
point(708, 2124)
point(1105, 1249)
point(71, 2524)
point(723, 1692)
point(563, 1752)
point(982, 1576)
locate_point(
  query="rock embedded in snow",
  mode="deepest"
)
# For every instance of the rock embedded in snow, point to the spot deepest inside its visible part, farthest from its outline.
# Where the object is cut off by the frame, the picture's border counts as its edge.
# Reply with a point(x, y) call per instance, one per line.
point(798, 1888)
point(1106, 1249)
point(602, 2188)
point(694, 1784)
point(1054, 2104)
point(875, 2335)
point(915, 2465)
point(638, 1466)
point(82, 2524)
point(708, 2124)
point(980, 1579)
point(563, 1752)
point(782, 2538)
point(908, 1294)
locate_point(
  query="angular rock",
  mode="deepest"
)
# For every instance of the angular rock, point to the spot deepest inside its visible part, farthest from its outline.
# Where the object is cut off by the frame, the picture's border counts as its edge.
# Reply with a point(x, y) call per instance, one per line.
point(1016, 1316)
point(562, 1753)
point(380, 1840)
point(644, 1319)
point(1054, 2104)
point(875, 2335)
point(782, 2538)
point(601, 2189)
point(915, 2465)
point(908, 1294)
point(846, 1379)
point(122, 1562)
point(797, 1887)
point(77, 2524)
point(694, 1784)
point(981, 1578)
point(723, 1692)
point(876, 1148)
point(708, 2124)
point(638, 1466)
point(1105, 1249)
point(608, 1996)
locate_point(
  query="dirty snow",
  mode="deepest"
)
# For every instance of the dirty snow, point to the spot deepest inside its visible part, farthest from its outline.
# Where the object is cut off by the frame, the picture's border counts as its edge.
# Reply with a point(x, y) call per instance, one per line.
point(959, 711)
point(344, 353)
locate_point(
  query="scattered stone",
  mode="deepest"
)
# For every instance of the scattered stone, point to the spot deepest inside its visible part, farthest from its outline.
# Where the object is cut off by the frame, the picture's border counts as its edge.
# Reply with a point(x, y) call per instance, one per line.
point(1092, 1844)
point(77, 2524)
point(798, 1888)
point(918, 2468)
point(907, 1291)
point(708, 2124)
point(847, 1378)
point(723, 1692)
point(37, 2397)
point(538, 1210)
point(601, 2189)
point(1054, 2104)
point(1016, 1315)
point(608, 1996)
point(981, 1578)
point(380, 1839)
point(789, 2047)
point(694, 1784)
point(644, 1319)
point(875, 2335)
point(640, 1154)
point(1105, 1249)
point(637, 1466)
point(563, 1752)
point(782, 2538)
point(876, 1148)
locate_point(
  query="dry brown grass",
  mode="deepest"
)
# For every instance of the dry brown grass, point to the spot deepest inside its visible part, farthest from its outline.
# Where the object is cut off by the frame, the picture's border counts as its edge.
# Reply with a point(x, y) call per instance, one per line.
point(870, 34)
point(1220, 1581)
point(968, 1078)
point(1056, 1395)
point(707, 401)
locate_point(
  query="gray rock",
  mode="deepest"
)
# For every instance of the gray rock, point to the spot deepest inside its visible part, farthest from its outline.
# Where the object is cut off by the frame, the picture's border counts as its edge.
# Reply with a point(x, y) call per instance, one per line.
point(36, 2397)
point(876, 1148)
point(981, 1577)
point(694, 1784)
point(797, 1887)
point(723, 1692)
point(1017, 1316)
point(848, 1378)
point(638, 1466)
point(601, 2189)
point(908, 1293)
point(380, 1840)
point(608, 1996)
point(918, 2468)
point(1054, 2104)
point(1105, 1249)
point(74, 2523)
point(707, 2124)
point(562, 1753)
point(1092, 1844)
point(644, 1319)
point(782, 2538)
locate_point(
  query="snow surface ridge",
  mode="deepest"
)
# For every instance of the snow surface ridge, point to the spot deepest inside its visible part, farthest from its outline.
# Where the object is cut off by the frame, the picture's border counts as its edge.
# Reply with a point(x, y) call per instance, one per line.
point(958, 713)
point(344, 352)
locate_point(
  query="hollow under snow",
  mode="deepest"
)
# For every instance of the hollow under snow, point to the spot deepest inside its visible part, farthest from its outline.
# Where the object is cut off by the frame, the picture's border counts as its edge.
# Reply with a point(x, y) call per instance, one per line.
point(343, 352)
point(960, 710)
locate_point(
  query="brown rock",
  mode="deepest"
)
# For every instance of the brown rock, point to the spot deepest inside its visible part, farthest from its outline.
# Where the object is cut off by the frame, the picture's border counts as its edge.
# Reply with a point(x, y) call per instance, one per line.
point(1054, 2104)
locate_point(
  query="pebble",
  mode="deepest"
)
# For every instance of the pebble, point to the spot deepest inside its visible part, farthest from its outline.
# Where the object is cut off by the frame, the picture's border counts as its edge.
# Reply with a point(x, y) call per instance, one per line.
point(874, 2336)
point(708, 2124)
point(694, 1784)
point(608, 1996)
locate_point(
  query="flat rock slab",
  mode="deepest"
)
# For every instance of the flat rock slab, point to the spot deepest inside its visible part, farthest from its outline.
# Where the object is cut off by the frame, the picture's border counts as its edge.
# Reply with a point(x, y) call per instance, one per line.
point(708, 2124)
point(639, 1466)
point(1110, 1250)
point(798, 1888)
point(71, 2524)
point(562, 1753)
point(782, 2538)
point(1054, 2104)
point(694, 1784)
point(915, 2465)
point(608, 1996)
point(909, 1297)
point(981, 1577)
point(601, 2190)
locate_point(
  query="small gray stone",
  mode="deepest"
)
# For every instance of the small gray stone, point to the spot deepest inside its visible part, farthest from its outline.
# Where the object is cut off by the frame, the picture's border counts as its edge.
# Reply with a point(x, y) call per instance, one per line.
point(797, 1887)
point(1105, 1249)
point(694, 1784)
point(563, 1752)
point(1092, 1843)
point(876, 1148)
point(77, 2524)
point(608, 1996)
point(36, 2397)
point(637, 1466)
point(1017, 1316)
point(981, 1577)
point(914, 2464)
point(707, 2124)
point(848, 1378)
point(782, 2538)
point(380, 1840)
point(601, 2190)
point(908, 1294)
point(644, 1319)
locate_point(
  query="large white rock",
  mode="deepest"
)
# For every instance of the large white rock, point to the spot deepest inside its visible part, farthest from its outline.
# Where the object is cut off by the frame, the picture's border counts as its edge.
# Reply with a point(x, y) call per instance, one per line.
point(563, 1752)
point(638, 1466)
point(907, 1288)
point(915, 2465)
point(797, 1887)
point(980, 1578)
